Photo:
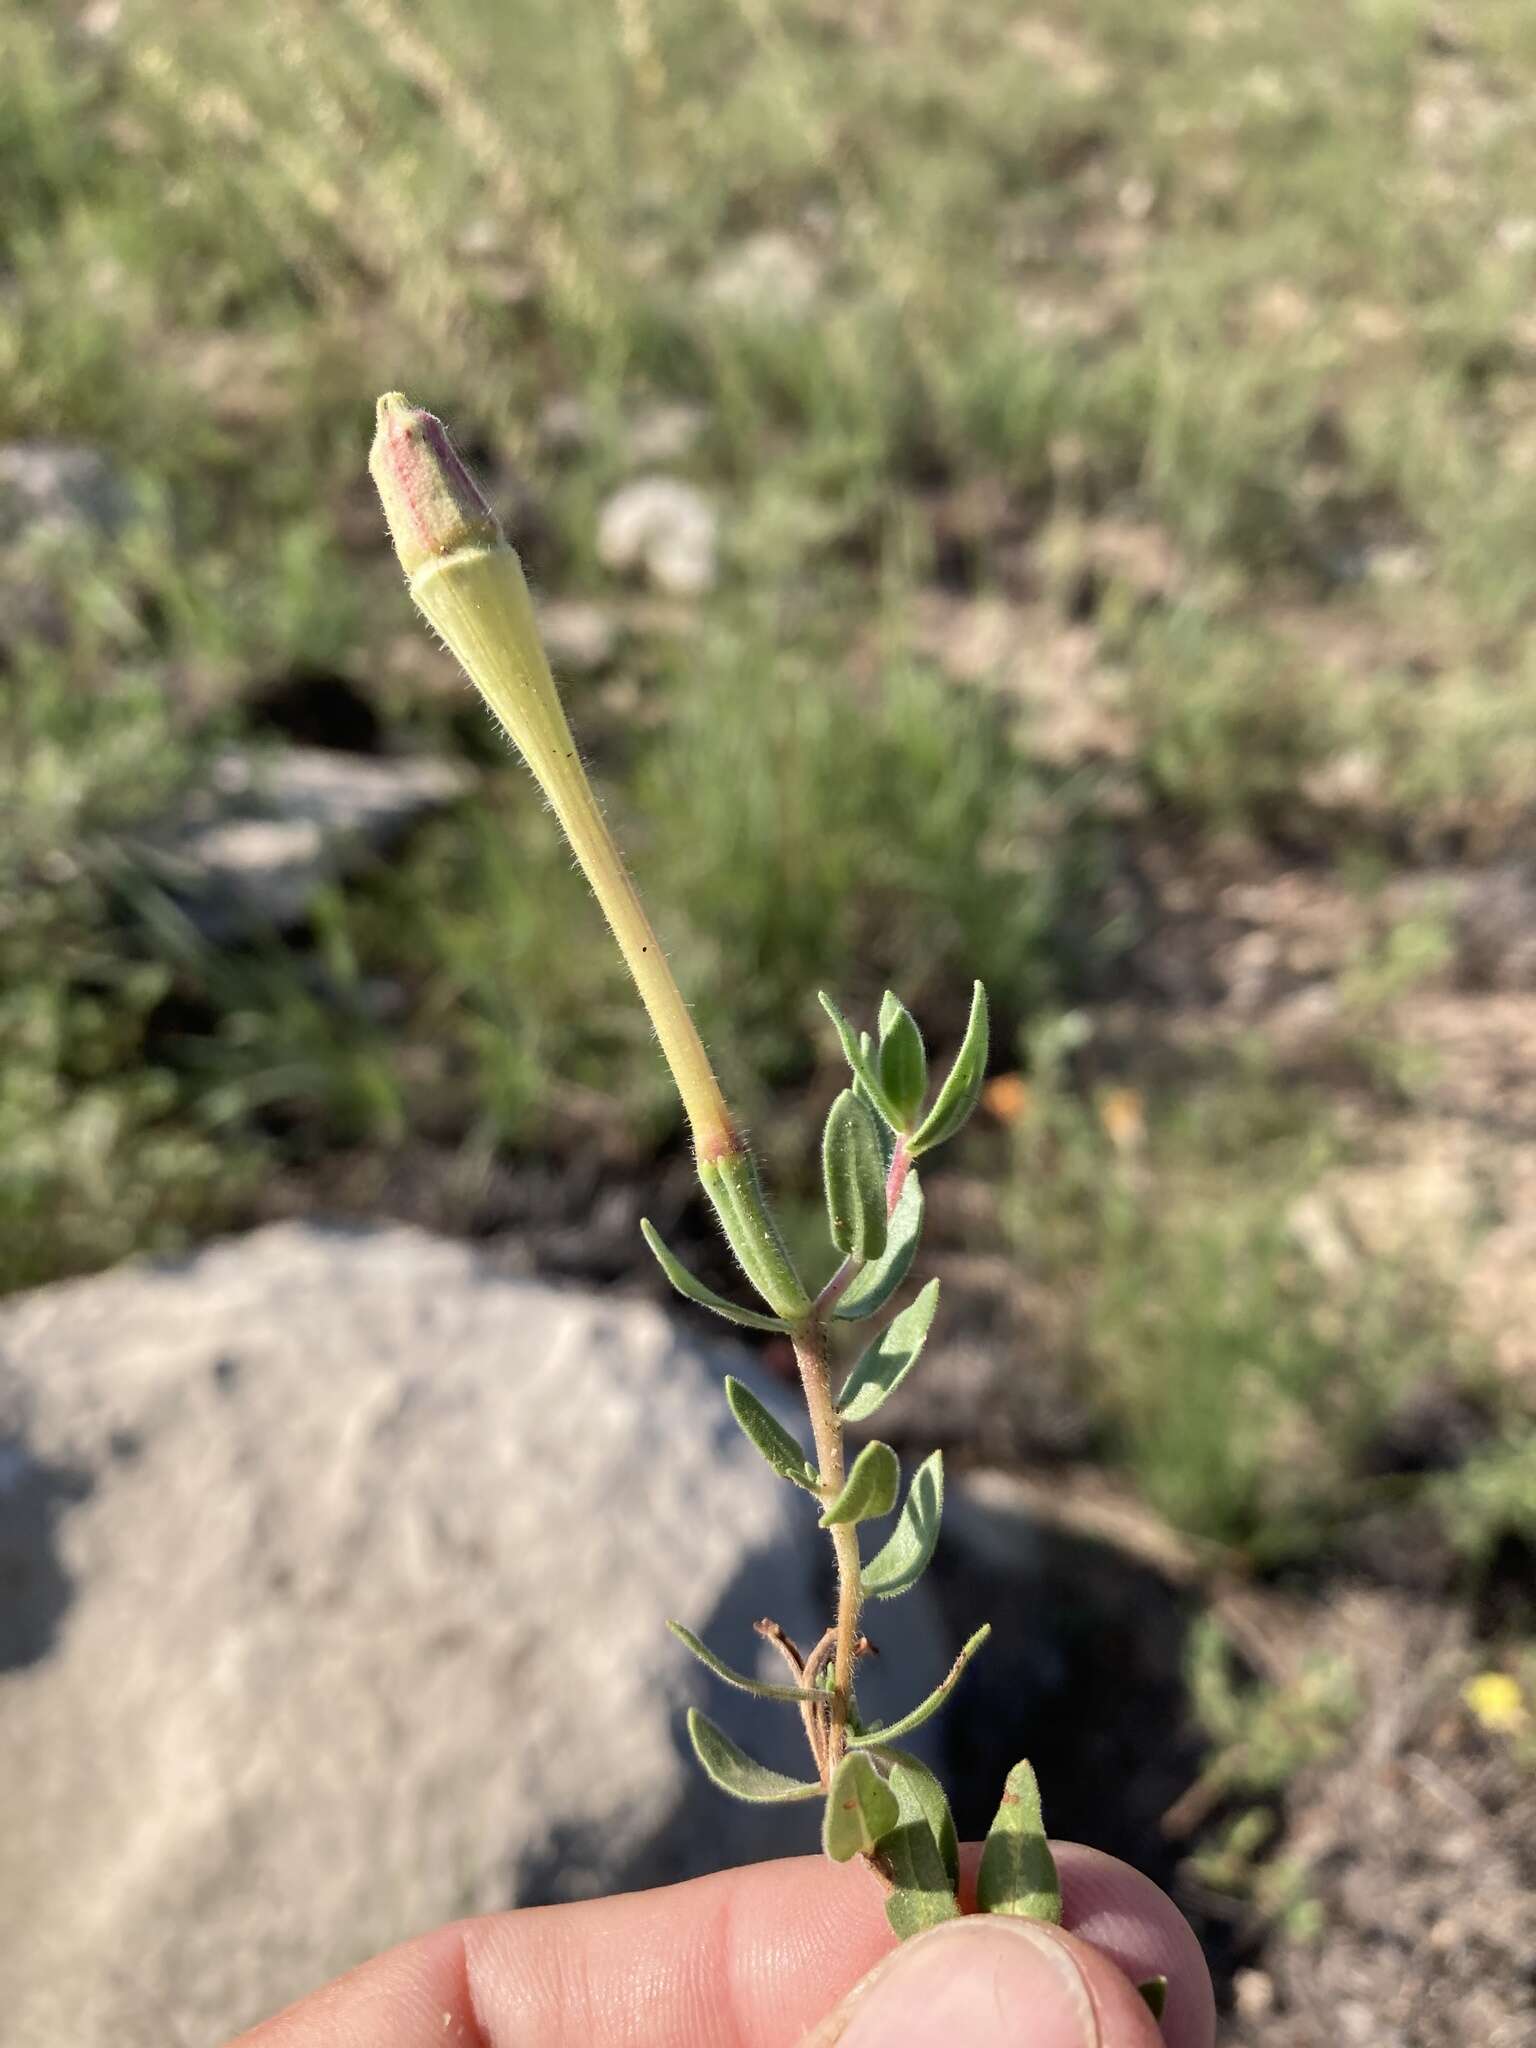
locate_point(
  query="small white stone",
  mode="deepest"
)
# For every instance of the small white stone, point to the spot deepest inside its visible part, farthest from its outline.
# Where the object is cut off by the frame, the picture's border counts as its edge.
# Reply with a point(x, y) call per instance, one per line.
point(663, 529)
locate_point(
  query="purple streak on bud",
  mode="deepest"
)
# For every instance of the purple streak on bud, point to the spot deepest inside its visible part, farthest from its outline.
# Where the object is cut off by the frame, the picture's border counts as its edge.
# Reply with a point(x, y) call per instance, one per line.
point(432, 504)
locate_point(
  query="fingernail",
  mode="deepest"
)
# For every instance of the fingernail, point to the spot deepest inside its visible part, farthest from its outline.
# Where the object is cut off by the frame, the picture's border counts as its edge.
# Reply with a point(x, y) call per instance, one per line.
point(984, 1983)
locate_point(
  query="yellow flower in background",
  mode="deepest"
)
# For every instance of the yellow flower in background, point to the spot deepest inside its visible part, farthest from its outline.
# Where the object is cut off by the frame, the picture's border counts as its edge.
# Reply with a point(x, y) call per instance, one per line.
point(1497, 1702)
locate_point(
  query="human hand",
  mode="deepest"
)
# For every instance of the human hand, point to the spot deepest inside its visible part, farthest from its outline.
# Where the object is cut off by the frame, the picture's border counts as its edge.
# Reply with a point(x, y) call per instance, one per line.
point(773, 1955)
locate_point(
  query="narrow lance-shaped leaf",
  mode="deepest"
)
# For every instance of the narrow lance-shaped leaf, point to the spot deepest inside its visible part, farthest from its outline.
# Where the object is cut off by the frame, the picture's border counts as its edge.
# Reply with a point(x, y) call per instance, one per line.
point(733, 1186)
point(867, 1051)
point(1018, 1871)
point(755, 1686)
point(889, 1359)
point(768, 1436)
point(903, 1061)
point(735, 1772)
point(856, 1053)
point(871, 1289)
point(962, 1086)
point(861, 1808)
point(901, 1562)
point(919, 1853)
point(869, 1490)
point(695, 1290)
point(878, 1738)
point(854, 1173)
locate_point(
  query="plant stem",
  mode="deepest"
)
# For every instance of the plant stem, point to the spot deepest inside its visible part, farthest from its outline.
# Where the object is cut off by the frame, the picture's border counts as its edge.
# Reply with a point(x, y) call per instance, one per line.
point(810, 1341)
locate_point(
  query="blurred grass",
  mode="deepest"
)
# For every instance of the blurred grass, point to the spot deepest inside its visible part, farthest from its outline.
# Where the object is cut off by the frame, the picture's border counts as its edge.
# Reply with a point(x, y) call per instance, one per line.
point(1253, 282)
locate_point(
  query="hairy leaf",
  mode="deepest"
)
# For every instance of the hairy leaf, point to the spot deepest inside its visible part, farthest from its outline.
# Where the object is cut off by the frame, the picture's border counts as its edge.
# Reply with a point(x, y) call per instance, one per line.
point(721, 1669)
point(1018, 1871)
point(869, 1290)
point(735, 1772)
point(853, 1170)
point(878, 1738)
point(695, 1290)
point(867, 1050)
point(861, 1808)
point(919, 1852)
point(889, 1359)
point(769, 1436)
point(856, 1053)
point(913, 1782)
point(903, 1062)
point(962, 1086)
point(733, 1187)
point(902, 1560)
point(869, 1490)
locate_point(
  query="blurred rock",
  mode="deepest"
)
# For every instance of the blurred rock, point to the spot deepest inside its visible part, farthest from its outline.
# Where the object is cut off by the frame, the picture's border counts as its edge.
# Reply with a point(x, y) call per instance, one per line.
point(250, 850)
point(52, 488)
point(663, 529)
point(60, 506)
point(664, 433)
point(1495, 927)
point(365, 1554)
point(768, 276)
point(580, 638)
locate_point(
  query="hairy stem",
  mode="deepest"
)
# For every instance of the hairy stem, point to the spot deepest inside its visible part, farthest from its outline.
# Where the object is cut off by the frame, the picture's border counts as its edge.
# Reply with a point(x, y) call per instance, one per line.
point(815, 1378)
point(810, 1342)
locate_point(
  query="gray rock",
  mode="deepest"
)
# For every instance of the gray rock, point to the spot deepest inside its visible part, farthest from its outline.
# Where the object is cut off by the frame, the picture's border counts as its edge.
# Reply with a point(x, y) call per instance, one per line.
point(580, 638)
point(769, 276)
point(663, 529)
point(60, 507)
point(250, 850)
point(54, 489)
point(664, 432)
point(1495, 928)
point(342, 1562)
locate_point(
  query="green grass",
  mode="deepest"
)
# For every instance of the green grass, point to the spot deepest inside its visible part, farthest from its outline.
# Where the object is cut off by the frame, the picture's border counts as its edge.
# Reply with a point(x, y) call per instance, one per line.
point(1253, 283)
point(1242, 1383)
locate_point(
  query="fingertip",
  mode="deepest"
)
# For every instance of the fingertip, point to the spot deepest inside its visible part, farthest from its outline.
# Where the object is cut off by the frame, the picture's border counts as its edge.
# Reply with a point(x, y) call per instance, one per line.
point(992, 1982)
point(1126, 1917)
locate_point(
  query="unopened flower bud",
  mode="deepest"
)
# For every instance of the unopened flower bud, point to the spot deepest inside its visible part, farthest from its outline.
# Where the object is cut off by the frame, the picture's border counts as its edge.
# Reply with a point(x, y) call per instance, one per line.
point(433, 505)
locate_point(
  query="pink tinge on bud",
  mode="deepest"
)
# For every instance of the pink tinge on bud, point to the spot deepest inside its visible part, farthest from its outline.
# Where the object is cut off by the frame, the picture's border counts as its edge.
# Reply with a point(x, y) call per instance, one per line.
point(432, 504)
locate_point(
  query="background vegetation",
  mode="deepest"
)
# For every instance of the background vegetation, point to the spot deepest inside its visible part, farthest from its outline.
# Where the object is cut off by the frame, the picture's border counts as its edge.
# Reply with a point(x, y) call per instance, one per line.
point(1118, 428)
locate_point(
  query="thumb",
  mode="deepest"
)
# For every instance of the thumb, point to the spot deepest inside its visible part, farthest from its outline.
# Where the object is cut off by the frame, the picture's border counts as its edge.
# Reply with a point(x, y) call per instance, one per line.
point(989, 1982)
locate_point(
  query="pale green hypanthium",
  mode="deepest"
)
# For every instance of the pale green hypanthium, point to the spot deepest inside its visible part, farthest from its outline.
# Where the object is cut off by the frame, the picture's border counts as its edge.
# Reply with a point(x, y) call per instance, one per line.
point(878, 1801)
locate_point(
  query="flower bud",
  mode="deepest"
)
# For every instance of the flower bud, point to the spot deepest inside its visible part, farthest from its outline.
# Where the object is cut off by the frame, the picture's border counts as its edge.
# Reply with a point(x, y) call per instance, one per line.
point(433, 505)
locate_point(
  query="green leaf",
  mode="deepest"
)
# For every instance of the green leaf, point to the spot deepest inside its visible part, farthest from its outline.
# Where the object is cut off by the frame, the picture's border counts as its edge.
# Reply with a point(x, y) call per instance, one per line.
point(889, 1359)
point(867, 1049)
point(853, 1170)
point(769, 1436)
point(735, 1772)
point(856, 1053)
point(869, 1490)
point(920, 1852)
point(914, 1784)
point(903, 1062)
point(872, 1288)
point(1155, 1991)
point(877, 1738)
point(897, 1567)
point(1018, 1871)
point(695, 1290)
point(861, 1808)
point(707, 1657)
point(733, 1186)
point(962, 1086)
